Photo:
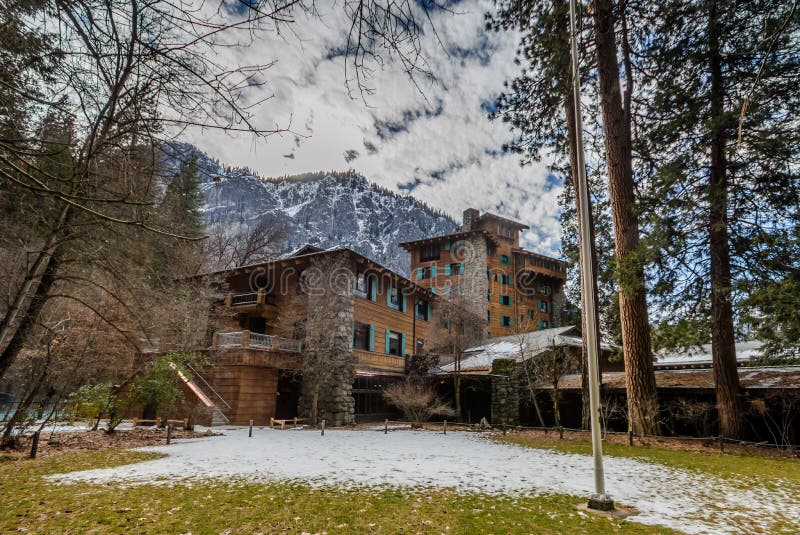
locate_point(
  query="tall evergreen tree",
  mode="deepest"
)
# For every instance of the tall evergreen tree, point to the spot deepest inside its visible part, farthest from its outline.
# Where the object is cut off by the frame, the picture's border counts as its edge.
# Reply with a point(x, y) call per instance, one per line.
point(723, 204)
point(611, 28)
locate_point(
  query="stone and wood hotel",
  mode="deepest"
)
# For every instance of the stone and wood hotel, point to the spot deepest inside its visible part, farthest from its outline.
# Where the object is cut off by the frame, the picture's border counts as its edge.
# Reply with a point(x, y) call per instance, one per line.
point(382, 319)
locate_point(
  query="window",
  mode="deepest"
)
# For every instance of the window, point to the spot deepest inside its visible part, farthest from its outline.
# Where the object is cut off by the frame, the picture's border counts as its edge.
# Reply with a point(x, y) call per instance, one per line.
point(544, 288)
point(505, 300)
point(394, 343)
point(394, 299)
point(488, 295)
point(505, 279)
point(363, 336)
point(505, 259)
point(544, 324)
point(544, 306)
point(456, 268)
point(489, 316)
point(423, 310)
point(426, 273)
point(361, 285)
point(365, 286)
point(506, 231)
point(506, 321)
point(530, 314)
point(429, 253)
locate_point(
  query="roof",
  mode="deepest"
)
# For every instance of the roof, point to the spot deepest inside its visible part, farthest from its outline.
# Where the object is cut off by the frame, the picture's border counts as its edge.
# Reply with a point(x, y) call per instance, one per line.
point(308, 252)
point(455, 236)
point(478, 360)
point(700, 357)
point(763, 377)
point(487, 215)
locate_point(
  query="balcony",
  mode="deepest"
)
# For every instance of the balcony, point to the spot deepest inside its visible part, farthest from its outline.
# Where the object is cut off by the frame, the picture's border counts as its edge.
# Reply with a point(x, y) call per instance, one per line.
point(253, 340)
point(245, 348)
point(370, 360)
point(249, 299)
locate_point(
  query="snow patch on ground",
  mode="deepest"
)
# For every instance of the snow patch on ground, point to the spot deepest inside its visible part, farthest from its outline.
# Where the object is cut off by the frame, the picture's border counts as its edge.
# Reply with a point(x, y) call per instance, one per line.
point(467, 462)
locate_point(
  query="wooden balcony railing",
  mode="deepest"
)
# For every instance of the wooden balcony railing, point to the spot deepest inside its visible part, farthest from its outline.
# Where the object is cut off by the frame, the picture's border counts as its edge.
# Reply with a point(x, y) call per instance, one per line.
point(256, 341)
point(380, 361)
point(249, 299)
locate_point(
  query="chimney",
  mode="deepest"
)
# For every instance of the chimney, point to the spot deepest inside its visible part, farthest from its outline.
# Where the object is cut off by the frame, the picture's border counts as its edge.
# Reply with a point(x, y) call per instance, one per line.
point(470, 216)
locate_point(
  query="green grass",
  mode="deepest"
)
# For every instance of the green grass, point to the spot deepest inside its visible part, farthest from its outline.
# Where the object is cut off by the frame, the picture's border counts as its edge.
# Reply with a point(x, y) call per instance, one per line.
point(768, 471)
point(36, 505)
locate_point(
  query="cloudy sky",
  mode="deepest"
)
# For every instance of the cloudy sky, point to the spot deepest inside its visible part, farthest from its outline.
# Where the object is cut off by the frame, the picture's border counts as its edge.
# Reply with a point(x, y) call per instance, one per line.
point(440, 147)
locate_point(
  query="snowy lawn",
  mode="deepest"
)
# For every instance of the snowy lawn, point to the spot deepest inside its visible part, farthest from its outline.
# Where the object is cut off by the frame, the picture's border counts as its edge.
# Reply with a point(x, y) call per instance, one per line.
point(464, 463)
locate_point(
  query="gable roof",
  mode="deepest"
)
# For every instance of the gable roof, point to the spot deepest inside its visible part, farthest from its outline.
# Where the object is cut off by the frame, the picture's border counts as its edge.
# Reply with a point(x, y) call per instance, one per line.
point(478, 359)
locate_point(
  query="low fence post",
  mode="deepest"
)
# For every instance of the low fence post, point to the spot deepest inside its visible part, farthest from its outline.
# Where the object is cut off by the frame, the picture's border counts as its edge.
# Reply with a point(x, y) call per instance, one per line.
point(445, 427)
point(560, 433)
point(630, 437)
point(35, 445)
point(386, 427)
point(323, 427)
point(169, 433)
point(721, 444)
point(250, 433)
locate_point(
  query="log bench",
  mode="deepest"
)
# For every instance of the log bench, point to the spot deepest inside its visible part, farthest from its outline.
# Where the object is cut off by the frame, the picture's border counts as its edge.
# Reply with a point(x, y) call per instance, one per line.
point(273, 422)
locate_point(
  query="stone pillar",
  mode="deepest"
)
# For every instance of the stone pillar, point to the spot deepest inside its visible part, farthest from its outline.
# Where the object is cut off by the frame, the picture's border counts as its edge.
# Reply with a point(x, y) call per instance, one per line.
point(505, 392)
point(559, 300)
point(476, 284)
point(336, 404)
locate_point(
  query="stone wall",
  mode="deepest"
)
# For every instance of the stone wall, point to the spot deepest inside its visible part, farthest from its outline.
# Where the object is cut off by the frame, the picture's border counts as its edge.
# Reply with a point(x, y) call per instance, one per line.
point(336, 403)
point(505, 392)
point(476, 285)
point(559, 301)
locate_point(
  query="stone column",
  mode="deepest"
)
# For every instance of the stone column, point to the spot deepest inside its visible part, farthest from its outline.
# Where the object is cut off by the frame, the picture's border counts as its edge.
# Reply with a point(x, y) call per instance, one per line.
point(336, 404)
point(505, 392)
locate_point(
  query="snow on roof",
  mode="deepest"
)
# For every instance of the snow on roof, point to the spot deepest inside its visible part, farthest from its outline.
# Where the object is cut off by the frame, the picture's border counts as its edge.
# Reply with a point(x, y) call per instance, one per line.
point(745, 351)
point(750, 377)
point(480, 358)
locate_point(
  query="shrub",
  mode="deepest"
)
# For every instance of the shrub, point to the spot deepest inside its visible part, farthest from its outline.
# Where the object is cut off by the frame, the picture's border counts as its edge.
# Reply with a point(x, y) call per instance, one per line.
point(417, 400)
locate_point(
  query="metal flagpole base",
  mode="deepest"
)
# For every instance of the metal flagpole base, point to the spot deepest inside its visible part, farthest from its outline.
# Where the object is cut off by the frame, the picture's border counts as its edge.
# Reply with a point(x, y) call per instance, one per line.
point(601, 502)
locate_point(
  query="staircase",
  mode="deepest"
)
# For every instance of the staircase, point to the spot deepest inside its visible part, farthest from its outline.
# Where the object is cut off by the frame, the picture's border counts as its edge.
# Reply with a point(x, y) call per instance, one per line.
point(207, 395)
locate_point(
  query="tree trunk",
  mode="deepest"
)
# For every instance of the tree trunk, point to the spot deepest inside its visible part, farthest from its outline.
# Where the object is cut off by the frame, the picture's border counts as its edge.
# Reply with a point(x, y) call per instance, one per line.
point(313, 413)
point(24, 311)
point(723, 348)
point(536, 407)
point(457, 385)
point(556, 411)
point(639, 374)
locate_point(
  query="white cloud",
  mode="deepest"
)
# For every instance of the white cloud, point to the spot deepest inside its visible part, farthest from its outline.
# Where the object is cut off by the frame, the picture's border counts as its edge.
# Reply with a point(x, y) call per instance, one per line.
point(452, 152)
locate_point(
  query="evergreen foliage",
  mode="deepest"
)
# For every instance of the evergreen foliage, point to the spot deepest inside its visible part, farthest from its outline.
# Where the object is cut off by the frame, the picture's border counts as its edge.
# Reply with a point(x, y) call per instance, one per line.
point(757, 46)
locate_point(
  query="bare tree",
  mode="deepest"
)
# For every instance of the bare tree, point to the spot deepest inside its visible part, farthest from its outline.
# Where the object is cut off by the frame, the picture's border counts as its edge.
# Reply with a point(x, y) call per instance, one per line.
point(458, 327)
point(417, 400)
point(225, 249)
point(694, 412)
point(83, 127)
point(521, 328)
point(549, 366)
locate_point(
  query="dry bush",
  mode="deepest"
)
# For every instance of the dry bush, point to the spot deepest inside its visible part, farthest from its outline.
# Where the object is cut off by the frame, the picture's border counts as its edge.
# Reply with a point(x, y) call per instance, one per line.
point(417, 400)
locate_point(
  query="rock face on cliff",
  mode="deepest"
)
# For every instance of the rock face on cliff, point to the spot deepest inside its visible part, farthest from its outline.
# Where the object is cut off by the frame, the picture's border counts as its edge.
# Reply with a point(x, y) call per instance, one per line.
point(325, 209)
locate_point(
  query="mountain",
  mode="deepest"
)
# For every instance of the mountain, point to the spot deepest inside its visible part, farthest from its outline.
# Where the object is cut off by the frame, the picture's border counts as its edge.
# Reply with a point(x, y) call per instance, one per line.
point(326, 209)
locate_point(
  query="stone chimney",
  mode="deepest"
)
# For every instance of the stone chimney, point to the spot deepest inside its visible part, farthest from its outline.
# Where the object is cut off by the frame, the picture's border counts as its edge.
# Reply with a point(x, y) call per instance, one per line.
point(470, 216)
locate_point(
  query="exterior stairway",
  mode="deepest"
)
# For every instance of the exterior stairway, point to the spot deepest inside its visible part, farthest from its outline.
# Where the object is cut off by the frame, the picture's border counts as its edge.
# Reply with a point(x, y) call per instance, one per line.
point(207, 395)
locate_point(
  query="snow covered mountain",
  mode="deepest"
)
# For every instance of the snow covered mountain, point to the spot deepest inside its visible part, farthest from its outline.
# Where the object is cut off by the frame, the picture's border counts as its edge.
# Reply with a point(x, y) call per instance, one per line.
point(325, 209)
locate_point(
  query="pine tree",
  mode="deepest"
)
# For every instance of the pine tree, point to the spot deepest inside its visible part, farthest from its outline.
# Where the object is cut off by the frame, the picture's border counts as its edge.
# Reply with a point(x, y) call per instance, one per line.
point(719, 198)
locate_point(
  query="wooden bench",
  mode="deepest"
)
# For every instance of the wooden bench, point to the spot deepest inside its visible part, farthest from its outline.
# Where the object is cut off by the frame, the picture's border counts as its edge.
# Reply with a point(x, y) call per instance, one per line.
point(177, 423)
point(294, 421)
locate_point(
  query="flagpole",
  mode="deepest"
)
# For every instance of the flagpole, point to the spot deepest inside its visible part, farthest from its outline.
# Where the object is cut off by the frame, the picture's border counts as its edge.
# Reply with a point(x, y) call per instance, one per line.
point(598, 500)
